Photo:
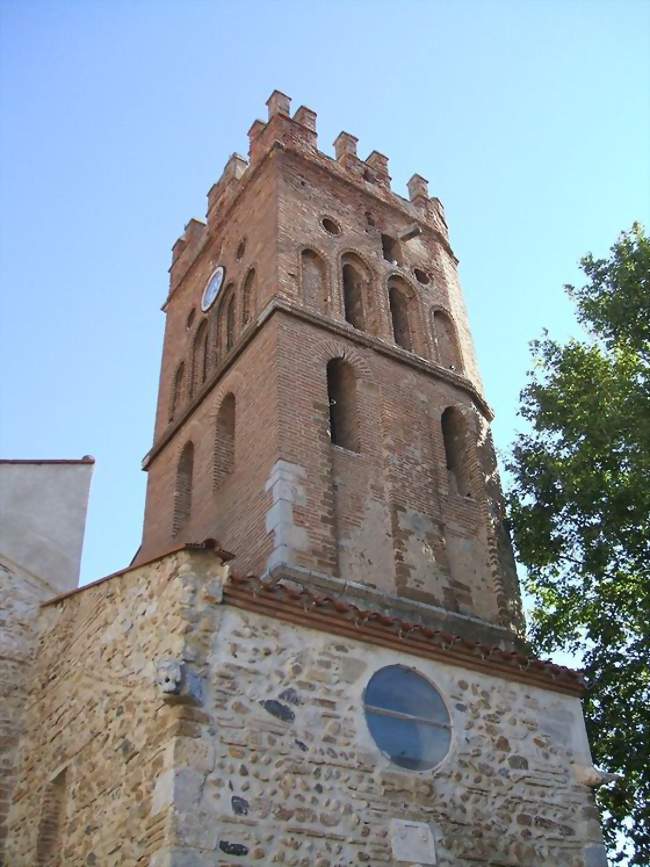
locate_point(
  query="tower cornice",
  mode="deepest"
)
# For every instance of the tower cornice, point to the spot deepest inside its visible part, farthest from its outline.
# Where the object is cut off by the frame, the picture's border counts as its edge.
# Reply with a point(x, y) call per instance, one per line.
point(361, 338)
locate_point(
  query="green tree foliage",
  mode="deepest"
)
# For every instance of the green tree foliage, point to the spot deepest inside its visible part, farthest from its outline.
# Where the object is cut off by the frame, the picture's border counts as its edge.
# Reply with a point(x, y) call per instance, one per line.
point(579, 507)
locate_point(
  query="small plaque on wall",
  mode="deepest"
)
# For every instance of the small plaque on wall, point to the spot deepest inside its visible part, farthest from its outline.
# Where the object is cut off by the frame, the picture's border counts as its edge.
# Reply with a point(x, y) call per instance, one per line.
point(412, 842)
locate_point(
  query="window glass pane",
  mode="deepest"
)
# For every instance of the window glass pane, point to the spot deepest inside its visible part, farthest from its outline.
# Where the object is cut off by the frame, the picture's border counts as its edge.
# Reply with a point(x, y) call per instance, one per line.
point(402, 690)
point(409, 744)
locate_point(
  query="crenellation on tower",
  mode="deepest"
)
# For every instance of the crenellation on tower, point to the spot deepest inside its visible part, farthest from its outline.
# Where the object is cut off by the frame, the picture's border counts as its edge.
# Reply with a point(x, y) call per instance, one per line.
point(278, 103)
point(185, 250)
point(345, 144)
point(378, 163)
point(306, 117)
point(226, 188)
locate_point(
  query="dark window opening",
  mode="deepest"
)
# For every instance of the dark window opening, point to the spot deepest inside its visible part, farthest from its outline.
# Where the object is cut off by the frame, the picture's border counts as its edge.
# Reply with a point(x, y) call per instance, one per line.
point(454, 434)
point(190, 319)
point(177, 390)
point(353, 297)
point(400, 319)
point(199, 358)
point(230, 323)
point(446, 343)
point(224, 443)
point(241, 249)
point(390, 250)
point(248, 297)
point(50, 828)
point(330, 226)
point(183, 491)
point(342, 399)
point(422, 276)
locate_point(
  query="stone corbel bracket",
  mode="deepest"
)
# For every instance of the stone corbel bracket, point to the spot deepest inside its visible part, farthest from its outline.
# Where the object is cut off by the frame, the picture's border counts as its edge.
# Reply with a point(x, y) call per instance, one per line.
point(176, 684)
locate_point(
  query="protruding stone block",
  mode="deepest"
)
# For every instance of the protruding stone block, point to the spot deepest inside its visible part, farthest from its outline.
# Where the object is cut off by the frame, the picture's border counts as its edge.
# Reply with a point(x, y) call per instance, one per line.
point(379, 165)
point(345, 144)
point(306, 117)
point(418, 188)
point(235, 167)
point(278, 103)
point(256, 128)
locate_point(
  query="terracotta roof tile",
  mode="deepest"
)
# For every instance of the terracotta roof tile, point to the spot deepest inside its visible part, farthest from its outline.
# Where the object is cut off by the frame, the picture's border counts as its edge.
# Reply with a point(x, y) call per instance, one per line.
point(333, 614)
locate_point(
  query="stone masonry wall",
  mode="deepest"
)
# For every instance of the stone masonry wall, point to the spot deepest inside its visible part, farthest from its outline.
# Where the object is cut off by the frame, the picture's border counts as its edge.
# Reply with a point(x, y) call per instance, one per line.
point(176, 731)
point(98, 716)
point(289, 773)
point(20, 597)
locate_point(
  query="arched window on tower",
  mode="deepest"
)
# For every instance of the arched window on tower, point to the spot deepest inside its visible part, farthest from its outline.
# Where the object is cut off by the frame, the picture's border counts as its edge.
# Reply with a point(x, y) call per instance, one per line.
point(446, 342)
point(399, 314)
point(199, 358)
point(455, 438)
point(224, 441)
point(342, 399)
point(248, 298)
point(353, 306)
point(183, 490)
point(314, 282)
point(177, 390)
point(231, 322)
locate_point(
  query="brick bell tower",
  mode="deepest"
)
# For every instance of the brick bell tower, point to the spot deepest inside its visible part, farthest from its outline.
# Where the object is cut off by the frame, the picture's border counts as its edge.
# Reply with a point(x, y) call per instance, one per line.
point(320, 410)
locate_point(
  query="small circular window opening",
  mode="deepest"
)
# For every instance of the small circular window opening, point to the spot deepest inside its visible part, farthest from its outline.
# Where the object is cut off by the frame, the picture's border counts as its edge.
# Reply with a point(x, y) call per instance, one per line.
point(241, 249)
point(422, 276)
point(407, 718)
point(330, 226)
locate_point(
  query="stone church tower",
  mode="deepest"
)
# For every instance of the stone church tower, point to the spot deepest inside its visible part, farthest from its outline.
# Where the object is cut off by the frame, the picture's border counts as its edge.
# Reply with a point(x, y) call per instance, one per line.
point(348, 685)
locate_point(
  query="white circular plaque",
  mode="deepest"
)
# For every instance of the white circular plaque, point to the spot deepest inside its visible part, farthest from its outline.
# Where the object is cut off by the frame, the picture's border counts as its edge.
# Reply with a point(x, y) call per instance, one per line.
point(212, 288)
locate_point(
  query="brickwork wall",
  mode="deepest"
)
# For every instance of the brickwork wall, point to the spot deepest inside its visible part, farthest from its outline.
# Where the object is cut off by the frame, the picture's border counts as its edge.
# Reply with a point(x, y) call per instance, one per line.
point(234, 511)
point(386, 517)
point(383, 517)
point(309, 192)
point(251, 222)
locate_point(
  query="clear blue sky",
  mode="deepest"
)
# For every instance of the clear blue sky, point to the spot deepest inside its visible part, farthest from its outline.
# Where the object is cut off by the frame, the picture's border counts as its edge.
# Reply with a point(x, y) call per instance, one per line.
point(530, 120)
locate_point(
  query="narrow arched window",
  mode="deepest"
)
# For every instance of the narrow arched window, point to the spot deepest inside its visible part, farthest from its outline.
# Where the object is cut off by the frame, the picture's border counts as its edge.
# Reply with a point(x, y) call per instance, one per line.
point(248, 298)
point(342, 399)
point(454, 435)
point(177, 390)
point(314, 284)
point(199, 358)
point(446, 342)
point(353, 296)
point(230, 322)
point(224, 442)
point(50, 828)
point(183, 491)
point(399, 315)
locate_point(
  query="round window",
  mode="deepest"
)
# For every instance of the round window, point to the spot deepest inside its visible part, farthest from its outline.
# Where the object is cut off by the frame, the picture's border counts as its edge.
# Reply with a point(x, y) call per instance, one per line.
point(330, 226)
point(407, 718)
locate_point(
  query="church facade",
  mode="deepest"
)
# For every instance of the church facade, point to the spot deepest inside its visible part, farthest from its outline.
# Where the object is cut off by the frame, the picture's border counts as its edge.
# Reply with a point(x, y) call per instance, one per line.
point(316, 656)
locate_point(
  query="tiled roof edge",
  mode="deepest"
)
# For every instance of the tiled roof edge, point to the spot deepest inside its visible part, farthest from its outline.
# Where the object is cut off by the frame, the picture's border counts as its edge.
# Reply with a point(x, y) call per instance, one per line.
point(332, 614)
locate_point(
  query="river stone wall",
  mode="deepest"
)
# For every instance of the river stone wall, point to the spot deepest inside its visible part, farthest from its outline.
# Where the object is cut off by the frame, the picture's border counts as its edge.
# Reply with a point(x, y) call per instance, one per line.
point(167, 729)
